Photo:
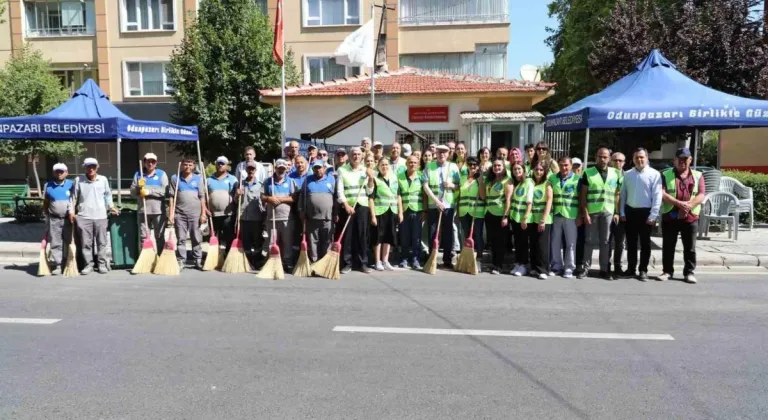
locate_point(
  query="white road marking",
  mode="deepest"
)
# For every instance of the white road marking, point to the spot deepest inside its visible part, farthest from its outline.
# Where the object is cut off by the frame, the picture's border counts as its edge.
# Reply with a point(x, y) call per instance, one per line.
point(503, 333)
point(28, 321)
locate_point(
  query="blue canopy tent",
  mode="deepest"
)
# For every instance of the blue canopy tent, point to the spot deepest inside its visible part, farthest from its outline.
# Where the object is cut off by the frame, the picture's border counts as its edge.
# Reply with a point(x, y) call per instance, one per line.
point(657, 95)
point(90, 116)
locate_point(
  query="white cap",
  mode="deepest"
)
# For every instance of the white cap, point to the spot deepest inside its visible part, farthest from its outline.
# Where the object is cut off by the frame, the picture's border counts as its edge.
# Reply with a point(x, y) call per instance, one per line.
point(378, 143)
point(90, 161)
point(151, 156)
point(222, 159)
point(406, 150)
point(365, 138)
point(443, 148)
point(59, 167)
point(281, 162)
point(311, 146)
point(576, 161)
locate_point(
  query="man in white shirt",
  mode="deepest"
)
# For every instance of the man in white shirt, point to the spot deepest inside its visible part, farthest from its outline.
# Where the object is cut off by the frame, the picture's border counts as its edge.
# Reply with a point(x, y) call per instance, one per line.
point(640, 204)
point(250, 156)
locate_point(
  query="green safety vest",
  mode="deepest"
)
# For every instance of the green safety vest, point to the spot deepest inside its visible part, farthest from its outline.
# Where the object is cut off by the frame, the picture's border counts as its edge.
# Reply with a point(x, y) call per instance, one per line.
point(434, 181)
point(495, 197)
point(540, 204)
point(519, 204)
point(386, 195)
point(399, 166)
point(669, 180)
point(469, 200)
point(565, 198)
point(463, 174)
point(601, 196)
point(353, 181)
point(411, 194)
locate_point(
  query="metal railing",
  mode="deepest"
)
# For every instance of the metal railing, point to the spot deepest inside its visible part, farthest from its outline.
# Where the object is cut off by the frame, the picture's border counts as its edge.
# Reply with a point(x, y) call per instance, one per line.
point(432, 12)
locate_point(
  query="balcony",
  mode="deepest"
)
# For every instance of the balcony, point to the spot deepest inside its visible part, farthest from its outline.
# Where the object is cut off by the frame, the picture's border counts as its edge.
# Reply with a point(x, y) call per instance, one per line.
point(56, 18)
point(451, 12)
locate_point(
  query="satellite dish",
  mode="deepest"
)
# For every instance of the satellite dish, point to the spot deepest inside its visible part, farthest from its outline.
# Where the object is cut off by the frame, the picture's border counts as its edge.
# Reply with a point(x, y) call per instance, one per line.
point(530, 73)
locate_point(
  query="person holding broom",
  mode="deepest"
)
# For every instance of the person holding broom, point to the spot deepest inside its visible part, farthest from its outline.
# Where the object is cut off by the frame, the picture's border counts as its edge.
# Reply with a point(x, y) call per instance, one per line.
point(413, 202)
point(222, 187)
point(278, 194)
point(93, 199)
point(57, 207)
point(317, 209)
point(441, 181)
point(189, 212)
point(153, 186)
point(354, 186)
point(252, 214)
point(387, 213)
point(471, 205)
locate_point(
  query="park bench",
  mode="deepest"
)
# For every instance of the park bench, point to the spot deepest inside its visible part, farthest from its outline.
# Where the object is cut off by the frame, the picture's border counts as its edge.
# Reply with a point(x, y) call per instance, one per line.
point(8, 194)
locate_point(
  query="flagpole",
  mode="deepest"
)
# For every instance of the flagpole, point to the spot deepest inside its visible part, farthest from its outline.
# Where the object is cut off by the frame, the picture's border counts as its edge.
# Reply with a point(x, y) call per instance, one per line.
point(282, 81)
point(373, 73)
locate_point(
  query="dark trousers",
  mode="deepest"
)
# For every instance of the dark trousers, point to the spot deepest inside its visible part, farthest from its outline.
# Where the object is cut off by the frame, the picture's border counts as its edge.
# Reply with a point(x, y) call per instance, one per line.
point(446, 232)
point(356, 242)
point(618, 235)
point(477, 235)
point(224, 228)
point(497, 237)
point(670, 230)
point(638, 228)
point(580, 244)
point(410, 236)
point(521, 243)
point(538, 243)
point(252, 237)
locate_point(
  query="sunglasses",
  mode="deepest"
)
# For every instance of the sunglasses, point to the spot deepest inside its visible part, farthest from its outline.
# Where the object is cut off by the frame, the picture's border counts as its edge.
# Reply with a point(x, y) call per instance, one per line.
point(220, 163)
point(323, 154)
point(618, 160)
point(539, 149)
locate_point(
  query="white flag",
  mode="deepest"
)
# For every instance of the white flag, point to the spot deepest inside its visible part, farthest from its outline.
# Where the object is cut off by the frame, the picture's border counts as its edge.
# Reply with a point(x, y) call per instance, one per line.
point(358, 47)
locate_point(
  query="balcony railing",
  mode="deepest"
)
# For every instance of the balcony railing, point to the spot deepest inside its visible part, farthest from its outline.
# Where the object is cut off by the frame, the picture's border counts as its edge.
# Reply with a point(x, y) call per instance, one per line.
point(435, 12)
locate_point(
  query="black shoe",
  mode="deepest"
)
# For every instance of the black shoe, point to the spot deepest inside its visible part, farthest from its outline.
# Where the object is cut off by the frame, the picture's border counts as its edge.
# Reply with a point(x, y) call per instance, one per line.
point(613, 276)
point(604, 275)
point(448, 266)
point(366, 269)
point(643, 276)
point(346, 270)
point(629, 274)
point(581, 274)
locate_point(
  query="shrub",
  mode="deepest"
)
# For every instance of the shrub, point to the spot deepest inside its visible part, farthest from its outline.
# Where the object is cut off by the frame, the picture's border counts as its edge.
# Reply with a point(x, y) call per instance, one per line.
point(759, 185)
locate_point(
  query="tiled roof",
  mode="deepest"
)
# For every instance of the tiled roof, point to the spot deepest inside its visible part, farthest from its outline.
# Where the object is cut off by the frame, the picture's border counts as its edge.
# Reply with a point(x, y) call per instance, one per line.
point(502, 116)
point(409, 80)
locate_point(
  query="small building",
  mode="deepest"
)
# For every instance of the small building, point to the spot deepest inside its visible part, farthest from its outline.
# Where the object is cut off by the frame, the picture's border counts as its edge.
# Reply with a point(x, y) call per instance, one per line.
point(743, 150)
point(483, 112)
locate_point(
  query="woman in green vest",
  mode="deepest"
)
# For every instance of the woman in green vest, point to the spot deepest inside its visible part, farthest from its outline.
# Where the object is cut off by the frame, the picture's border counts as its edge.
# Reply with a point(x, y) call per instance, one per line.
point(484, 155)
point(460, 159)
point(542, 156)
point(412, 199)
point(471, 206)
point(521, 203)
point(498, 190)
point(540, 222)
point(387, 213)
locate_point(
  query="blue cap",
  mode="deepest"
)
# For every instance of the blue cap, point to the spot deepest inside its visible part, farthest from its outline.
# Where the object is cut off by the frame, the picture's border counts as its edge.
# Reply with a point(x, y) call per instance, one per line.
point(683, 152)
point(318, 162)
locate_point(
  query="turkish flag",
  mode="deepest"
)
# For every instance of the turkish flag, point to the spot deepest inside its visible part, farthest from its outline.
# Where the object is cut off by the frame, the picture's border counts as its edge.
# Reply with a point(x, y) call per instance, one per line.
point(277, 48)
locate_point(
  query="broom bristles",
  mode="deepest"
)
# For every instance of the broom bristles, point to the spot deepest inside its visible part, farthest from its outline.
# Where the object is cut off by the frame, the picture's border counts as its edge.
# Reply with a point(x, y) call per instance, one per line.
point(167, 265)
point(70, 269)
point(303, 267)
point(430, 267)
point(42, 268)
point(273, 269)
point(147, 258)
point(467, 263)
point(236, 262)
point(328, 266)
point(214, 254)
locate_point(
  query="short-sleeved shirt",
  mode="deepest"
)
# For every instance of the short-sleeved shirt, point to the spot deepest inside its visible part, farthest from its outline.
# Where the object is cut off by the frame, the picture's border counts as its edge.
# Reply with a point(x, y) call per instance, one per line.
point(220, 192)
point(252, 206)
point(317, 197)
point(59, 197)
point(284, 188)
point(191, 192)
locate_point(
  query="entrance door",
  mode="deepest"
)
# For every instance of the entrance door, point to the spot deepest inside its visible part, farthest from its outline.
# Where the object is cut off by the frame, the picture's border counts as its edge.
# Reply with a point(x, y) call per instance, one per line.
point(507, 135)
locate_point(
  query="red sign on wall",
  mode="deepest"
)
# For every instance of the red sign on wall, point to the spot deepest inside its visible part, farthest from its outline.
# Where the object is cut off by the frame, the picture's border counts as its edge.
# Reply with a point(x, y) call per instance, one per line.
point(427, 114)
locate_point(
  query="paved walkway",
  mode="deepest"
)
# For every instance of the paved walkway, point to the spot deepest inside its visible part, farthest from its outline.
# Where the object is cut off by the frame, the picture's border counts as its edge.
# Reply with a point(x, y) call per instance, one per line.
point(20, 242)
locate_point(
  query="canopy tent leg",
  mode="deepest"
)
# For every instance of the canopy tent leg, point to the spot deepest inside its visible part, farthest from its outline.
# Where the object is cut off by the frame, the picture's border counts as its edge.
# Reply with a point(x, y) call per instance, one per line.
point(119, 174)
point(586, 149)
point(695, 146)
point(200, 159)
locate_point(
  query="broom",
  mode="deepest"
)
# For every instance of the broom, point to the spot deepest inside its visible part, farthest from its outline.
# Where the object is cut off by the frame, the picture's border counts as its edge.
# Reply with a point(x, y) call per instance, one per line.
point(236, 262)
point(70, 267)
point(273, 269)
point(148, 257)
point(166, 263)
point(328, 266)
point(42, 267)
point(303, 267)
point(430, 267)
point(467, 262)
point(214, 253)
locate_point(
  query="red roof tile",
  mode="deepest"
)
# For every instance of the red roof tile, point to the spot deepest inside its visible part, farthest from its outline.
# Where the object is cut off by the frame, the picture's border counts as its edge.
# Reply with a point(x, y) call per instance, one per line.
point(409, 80)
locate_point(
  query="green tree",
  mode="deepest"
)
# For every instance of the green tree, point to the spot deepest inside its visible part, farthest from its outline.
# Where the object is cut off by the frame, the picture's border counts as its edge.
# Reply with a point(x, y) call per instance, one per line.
point(217, 72)
point(708, 151)
point(27, 87)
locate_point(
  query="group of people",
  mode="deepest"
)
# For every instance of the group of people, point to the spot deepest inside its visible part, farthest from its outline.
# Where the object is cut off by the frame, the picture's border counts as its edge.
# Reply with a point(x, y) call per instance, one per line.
point(550, 215)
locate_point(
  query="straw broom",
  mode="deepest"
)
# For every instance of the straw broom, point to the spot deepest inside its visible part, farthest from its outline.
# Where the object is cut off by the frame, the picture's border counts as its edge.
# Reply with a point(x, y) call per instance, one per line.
point(214, 253)
point(430, 267)
point(303, 267)
point(273, 269)
point(236, 262)
point(148, 256)
point(42, 267)
point(70, 267)
point(166, 263)
point(467, 262)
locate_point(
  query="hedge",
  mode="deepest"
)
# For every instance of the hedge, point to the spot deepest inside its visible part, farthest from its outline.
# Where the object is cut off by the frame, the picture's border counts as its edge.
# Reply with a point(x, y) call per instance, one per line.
point(759, 185)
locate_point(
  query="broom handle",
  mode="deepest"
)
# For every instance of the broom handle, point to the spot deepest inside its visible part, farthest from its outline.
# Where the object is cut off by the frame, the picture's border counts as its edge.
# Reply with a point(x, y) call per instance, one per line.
point(349, 217)
point(439, 217)
point(237, 224)
point(207, 197)
point(143, 199)
point(176, 190)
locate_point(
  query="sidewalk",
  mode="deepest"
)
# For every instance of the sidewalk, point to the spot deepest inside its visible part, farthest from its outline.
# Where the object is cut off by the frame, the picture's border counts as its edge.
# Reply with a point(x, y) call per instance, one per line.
point(21, 243)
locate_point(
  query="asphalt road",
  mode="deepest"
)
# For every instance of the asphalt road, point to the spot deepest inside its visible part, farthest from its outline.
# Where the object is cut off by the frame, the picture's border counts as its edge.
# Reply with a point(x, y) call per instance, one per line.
point(214, 346)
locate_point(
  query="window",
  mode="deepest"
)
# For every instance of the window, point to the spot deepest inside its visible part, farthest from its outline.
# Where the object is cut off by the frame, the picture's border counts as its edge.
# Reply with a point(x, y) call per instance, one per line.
point(73, 79)
point(262, 5)
point(146, 79)
point(431, 12)
point(438, 137)
point(488, 60)
point(59, 18)
point(148, 15)
point(319, 69)
point(331, 12)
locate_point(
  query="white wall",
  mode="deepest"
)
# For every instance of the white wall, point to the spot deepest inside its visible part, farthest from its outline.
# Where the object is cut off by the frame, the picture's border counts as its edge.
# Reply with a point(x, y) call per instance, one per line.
point(309, 116)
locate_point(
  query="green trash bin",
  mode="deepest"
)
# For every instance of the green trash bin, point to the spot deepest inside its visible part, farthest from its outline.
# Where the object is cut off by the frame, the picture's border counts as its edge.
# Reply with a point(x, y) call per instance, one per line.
point(124, 238)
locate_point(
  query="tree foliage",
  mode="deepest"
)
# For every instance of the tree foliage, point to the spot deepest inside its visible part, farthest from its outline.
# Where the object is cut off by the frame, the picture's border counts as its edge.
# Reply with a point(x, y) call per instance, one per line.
point(27, 87)
point(217, 72)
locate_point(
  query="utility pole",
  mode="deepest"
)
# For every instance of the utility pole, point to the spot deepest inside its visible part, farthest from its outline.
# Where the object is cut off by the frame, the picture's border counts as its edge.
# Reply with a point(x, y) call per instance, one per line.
point(382, 22)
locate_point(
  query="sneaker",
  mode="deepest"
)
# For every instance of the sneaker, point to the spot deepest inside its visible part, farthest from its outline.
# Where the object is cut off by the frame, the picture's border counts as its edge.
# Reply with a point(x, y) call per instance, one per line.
point(103, 270)
point(643, 276)
point(379, 266)
point(582, 274)
point(690, 279)
point(604, 275)
point(523, 269)
point(494, 271)
point(416, 265)
point(346, 270)
point(388, 266)
point(543, 276)
point(534, 273)
point(552, 273)
point(479, 266)
point(87, 270)
point(629, 273)
point(55, 269)
point(448, 266)
point(612, 276)
point(568, 274)
point(514, 269)
point(199, 265)
point(366, 270)
point(181, 266)
point(404, 265)
point(664, 277)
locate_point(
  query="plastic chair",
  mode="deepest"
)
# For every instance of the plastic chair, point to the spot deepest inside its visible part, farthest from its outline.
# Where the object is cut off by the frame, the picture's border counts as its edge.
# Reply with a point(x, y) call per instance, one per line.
point(743, 193)
point(720, 207)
